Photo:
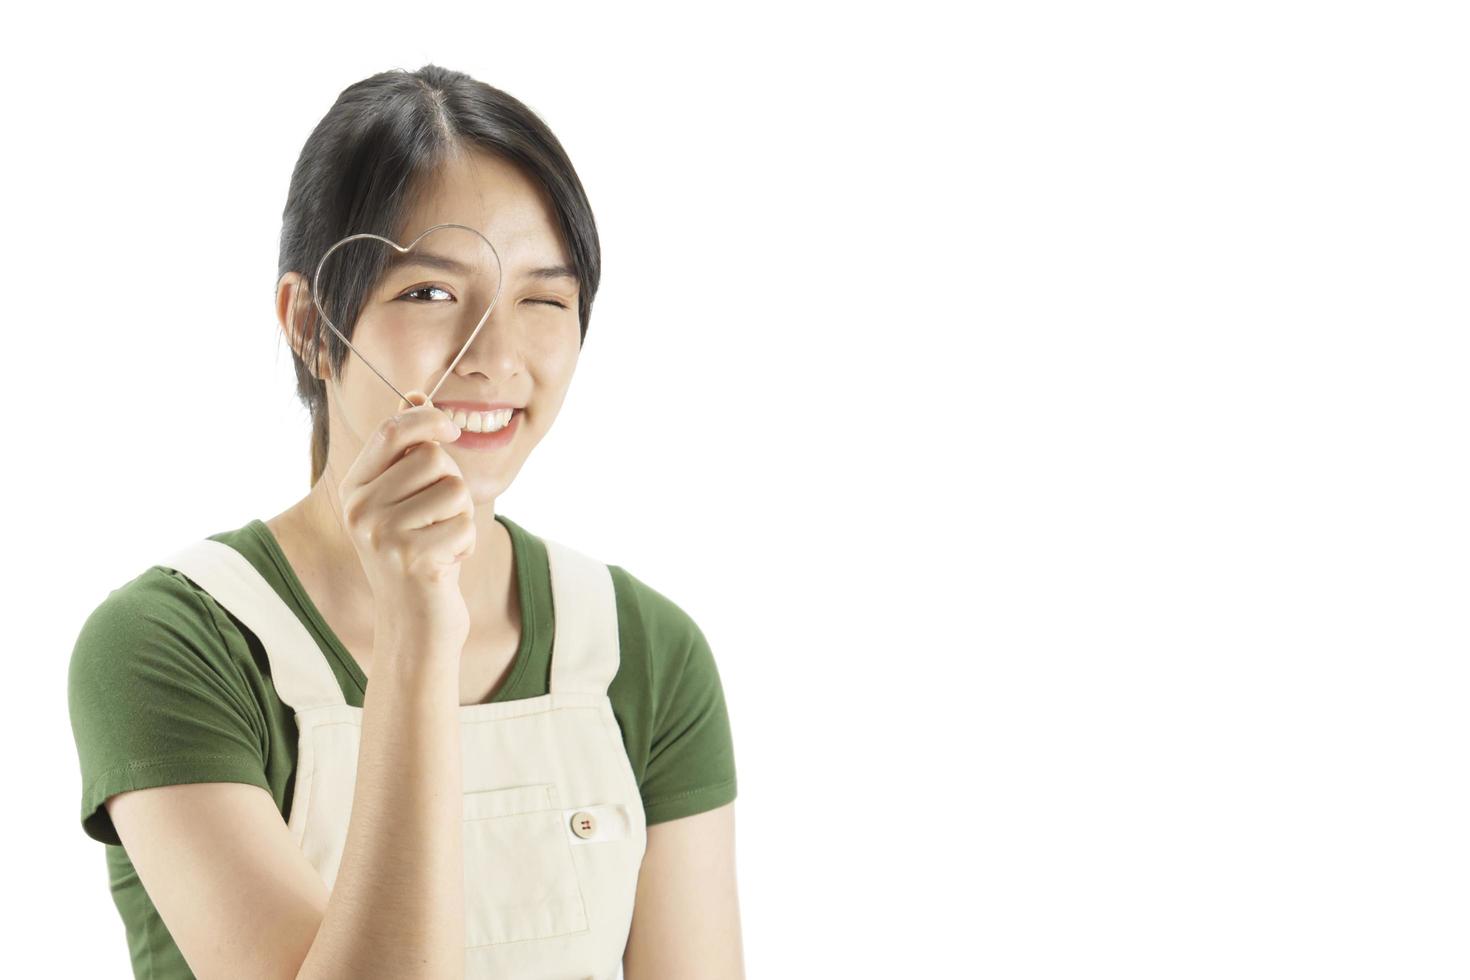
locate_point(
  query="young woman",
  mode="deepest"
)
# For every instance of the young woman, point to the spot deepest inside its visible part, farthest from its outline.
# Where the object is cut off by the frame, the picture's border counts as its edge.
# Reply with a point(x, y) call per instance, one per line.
point(539, 780)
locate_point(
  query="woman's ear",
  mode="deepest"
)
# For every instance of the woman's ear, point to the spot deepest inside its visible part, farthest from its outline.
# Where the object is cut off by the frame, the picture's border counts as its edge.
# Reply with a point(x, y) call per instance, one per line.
point(296, 314)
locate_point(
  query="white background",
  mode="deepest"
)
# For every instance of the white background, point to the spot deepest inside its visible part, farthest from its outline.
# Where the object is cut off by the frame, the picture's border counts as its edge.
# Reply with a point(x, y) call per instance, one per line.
point(1053, 415)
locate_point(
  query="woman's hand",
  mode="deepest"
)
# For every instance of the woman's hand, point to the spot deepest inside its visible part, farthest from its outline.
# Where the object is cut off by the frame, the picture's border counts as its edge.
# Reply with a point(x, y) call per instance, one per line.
point(408, 511)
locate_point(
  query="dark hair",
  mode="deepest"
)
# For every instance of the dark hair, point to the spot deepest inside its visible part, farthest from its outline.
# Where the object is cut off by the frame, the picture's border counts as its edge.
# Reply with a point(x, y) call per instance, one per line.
point(360, 171)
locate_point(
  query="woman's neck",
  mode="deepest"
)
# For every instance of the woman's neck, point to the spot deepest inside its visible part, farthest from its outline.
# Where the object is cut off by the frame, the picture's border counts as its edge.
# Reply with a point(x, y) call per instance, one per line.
point(320, 540)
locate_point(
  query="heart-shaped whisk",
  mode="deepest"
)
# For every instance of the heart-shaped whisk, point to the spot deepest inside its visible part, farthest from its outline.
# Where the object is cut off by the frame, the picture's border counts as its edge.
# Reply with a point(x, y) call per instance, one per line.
point(402, 250)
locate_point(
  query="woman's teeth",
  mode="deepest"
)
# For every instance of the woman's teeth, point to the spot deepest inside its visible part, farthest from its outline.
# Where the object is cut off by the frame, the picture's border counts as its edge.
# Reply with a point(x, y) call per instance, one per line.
point(481, 421)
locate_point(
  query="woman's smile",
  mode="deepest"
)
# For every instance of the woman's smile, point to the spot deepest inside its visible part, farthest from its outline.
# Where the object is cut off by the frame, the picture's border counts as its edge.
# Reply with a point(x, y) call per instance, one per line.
point(483, 430)
point(481, 416)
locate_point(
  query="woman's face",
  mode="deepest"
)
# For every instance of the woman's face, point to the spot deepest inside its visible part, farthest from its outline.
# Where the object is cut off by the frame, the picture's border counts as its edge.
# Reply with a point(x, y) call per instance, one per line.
point(416, 319)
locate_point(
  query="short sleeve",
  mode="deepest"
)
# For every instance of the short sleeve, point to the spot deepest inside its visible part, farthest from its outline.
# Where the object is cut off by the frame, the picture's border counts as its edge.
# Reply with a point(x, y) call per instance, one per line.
point(156, 698)
point(691, 761)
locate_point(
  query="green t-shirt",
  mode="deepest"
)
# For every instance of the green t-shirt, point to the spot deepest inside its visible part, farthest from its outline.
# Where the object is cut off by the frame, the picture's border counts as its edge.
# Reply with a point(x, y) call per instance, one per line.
point(167, 686)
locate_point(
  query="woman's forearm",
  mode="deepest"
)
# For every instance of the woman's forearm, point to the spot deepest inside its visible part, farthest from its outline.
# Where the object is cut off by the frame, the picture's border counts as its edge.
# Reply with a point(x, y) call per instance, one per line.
point(397, 906)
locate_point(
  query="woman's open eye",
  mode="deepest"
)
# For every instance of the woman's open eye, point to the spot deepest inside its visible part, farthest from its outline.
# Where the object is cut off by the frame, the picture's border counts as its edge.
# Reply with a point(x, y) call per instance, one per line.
point(422, 289)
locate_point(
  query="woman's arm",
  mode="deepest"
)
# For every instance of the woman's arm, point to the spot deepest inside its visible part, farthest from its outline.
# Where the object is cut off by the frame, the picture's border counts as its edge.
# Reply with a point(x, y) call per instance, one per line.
point(397, 908)
point(686, 917)
point(241, 900)
point(234, 891)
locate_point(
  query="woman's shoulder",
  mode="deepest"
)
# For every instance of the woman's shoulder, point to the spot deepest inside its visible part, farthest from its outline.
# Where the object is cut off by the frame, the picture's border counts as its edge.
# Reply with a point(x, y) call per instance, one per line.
point(156, 595)
point(670, 689)
point(157, 694)
point(664, 621)
point(158, 612)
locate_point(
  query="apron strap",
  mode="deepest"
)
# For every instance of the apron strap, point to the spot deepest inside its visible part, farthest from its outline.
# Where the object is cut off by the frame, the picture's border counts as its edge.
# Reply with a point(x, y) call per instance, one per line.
point(299, 670)
point(585, 652)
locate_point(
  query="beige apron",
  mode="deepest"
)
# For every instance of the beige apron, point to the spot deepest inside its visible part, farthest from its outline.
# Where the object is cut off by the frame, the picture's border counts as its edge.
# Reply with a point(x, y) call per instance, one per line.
point(554, 829)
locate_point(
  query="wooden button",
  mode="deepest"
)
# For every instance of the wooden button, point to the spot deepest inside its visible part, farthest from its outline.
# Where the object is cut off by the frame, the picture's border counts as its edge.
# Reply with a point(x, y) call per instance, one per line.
point(584, 824)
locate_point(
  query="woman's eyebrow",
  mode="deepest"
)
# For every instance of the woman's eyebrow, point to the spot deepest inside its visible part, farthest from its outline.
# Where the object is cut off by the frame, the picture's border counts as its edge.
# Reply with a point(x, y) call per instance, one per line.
point(428, 260)
point(551, 272)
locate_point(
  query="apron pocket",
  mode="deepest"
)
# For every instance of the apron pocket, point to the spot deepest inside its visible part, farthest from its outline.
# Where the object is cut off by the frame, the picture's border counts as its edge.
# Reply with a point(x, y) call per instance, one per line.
point(520, 878)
